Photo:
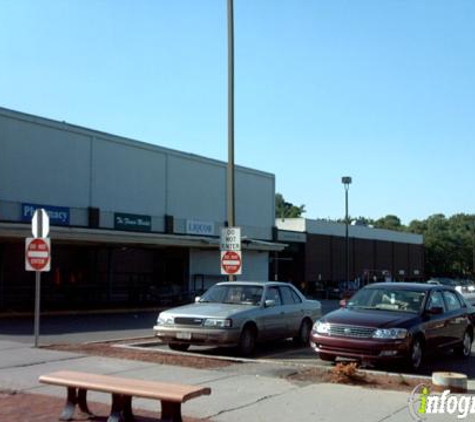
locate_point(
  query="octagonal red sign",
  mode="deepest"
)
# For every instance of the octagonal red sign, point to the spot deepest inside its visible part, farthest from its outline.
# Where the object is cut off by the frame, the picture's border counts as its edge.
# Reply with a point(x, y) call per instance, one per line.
point(231, 262)
point(37, 254)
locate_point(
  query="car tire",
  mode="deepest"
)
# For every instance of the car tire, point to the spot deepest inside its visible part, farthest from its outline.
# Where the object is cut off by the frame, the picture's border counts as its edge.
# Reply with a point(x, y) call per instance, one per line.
point(416, 353)
point(325, 357)
point(465, 349)
point(247, 341)
point(303, 337)
point(179, 347)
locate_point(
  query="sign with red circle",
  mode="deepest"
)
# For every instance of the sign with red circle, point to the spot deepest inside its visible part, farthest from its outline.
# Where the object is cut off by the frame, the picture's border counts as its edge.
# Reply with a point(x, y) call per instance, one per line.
point(37, 254)
point(231, 262)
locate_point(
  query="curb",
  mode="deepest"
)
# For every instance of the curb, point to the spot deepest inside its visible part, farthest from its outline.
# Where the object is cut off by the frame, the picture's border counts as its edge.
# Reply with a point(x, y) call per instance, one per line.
point(138, 346)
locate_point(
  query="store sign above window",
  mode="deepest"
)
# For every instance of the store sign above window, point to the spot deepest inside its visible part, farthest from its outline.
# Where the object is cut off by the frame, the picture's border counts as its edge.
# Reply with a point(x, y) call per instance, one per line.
point(132, 222)
point(58, 216)
point(204, 228)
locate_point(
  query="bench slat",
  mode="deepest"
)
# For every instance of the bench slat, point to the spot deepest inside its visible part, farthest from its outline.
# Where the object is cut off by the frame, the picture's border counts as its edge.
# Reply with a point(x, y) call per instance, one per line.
point(131, 387)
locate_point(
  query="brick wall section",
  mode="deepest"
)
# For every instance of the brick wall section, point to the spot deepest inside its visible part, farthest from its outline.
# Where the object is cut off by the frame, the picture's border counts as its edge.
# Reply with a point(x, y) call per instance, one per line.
point(325, 255)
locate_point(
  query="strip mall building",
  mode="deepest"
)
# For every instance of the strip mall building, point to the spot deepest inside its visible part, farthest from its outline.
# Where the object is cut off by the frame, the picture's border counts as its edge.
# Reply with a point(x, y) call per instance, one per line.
point(135, 224)
point(131, 223)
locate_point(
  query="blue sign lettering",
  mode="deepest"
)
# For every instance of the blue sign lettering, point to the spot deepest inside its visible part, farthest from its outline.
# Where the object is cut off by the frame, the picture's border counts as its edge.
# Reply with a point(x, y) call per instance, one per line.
point(58, 216)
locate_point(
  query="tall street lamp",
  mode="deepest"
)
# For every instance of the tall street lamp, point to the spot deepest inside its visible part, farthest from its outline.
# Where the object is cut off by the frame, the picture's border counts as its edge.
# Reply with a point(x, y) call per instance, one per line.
point(230, 168)
point(346, 180)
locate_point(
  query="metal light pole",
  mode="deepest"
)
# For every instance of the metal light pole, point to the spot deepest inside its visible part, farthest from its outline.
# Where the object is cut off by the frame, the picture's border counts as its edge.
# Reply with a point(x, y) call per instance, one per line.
point(230, 170)
point(346, 180)
point(473, 249)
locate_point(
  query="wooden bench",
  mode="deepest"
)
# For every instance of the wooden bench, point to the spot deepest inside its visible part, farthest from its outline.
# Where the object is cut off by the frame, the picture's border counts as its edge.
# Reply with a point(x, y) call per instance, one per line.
point(122, 390)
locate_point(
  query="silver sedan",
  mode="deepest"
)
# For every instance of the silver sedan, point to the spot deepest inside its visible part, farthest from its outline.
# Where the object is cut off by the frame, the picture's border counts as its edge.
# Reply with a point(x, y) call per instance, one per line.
point(240, 314)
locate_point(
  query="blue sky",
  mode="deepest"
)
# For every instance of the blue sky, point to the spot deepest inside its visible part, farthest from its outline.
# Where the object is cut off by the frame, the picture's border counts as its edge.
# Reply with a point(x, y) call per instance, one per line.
point(381, 90)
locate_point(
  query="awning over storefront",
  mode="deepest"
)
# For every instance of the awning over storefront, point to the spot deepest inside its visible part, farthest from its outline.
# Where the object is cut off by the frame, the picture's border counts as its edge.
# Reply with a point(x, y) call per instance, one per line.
point(80, 235)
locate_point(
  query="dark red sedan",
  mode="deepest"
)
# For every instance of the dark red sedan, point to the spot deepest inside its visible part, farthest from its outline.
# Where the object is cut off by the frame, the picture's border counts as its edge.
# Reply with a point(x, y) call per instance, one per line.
point(396, 321)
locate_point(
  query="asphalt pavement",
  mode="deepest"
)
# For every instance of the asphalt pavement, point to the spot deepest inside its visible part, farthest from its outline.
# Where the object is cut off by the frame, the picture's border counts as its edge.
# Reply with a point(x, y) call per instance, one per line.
point(250, 391)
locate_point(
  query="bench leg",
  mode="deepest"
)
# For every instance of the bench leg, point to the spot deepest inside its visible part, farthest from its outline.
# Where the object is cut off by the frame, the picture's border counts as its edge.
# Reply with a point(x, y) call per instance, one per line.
point(127, 409)
point(82, 403)
point(75, 397)
point(116, 410)
point(121, 410)
point(171, 412)
point(70, 406)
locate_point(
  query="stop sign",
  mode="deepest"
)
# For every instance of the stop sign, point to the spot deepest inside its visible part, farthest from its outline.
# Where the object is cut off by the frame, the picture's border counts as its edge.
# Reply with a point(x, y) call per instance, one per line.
point(37, 254)
point(231, 262)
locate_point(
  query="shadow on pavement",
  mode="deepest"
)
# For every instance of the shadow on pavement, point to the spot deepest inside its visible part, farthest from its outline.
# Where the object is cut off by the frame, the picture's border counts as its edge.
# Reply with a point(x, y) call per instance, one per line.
point(60, 324)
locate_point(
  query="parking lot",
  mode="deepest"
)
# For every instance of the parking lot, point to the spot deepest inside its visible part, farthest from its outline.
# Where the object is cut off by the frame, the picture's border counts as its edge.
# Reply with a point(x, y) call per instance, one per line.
point(81, 328)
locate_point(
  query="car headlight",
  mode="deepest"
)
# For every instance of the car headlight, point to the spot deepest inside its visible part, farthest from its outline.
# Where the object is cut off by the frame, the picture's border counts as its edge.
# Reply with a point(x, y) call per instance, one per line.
point(218, 323)
point(390, 333)
point(165, 320)
point(322, 327)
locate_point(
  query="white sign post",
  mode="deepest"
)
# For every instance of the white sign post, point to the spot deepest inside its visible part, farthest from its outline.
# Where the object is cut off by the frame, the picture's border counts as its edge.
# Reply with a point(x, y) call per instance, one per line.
point(38, 258)
point(40, 223)
point(231, 239)
point(231, 257)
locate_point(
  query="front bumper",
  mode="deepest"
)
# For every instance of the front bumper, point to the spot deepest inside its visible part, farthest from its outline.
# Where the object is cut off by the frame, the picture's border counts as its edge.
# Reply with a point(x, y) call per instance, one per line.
point(198, 335)
point(368, 350)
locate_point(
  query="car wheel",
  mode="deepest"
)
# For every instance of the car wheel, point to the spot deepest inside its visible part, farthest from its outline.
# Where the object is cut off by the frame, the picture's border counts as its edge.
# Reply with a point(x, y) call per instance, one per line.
point(247, 341)
point(303, 336)
point(325, 357)
point(180, 347)
point(465, 349)
point(416, 354)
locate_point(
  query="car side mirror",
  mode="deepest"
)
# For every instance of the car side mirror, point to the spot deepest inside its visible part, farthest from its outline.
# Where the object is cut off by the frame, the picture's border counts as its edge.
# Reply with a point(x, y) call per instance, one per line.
point(269, 303)
point(343, 303)
point(435, 310)
point(197, 299)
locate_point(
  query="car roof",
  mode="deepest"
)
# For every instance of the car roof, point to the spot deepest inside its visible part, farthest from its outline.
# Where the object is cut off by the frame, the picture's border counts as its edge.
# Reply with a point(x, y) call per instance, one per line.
point(420, 287)
point(253, 283)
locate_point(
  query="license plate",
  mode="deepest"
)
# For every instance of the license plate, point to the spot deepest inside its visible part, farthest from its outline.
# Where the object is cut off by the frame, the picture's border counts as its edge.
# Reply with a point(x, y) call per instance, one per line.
point(183, 336)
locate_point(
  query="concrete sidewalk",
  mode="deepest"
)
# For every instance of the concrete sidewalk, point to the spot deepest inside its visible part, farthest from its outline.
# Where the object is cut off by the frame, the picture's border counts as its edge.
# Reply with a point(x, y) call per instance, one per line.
point(241, 392)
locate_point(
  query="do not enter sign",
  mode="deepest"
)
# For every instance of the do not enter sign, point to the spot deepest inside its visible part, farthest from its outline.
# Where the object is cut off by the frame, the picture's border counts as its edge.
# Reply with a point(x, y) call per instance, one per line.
point(37, 254)
point(231, 262)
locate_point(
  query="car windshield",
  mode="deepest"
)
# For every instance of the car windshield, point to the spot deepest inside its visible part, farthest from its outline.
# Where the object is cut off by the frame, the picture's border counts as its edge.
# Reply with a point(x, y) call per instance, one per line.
point(234, 294)
point(388, 299)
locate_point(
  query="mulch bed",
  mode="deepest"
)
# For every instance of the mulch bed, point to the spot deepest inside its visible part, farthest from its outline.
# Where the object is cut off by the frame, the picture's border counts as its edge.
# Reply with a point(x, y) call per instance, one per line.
point(20, 407)
point(108, 350)
point(341, 375)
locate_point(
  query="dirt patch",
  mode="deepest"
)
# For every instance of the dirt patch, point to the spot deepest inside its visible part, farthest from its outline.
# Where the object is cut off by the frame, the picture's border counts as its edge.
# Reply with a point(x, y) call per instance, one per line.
point(107, 349)
point(348, 375)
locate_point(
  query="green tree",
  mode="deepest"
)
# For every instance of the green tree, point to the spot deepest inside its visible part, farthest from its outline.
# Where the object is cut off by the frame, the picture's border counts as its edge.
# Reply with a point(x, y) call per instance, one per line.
point(390, 222)
point(449, 244)
point(285, 209)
